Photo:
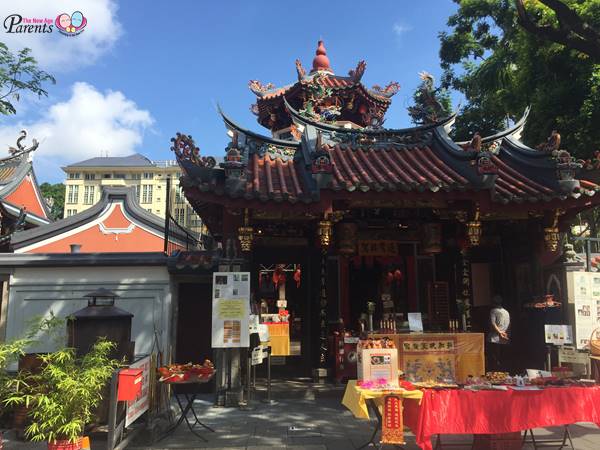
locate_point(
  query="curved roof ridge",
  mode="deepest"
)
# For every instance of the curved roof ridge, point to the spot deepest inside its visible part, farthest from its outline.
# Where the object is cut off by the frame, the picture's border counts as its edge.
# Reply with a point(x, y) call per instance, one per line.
point(514, 131)
point(109, 195)
point(230, 123)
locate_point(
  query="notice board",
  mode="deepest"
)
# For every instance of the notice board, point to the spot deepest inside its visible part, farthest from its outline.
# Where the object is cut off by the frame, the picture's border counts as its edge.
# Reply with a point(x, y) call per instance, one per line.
point(584, 305)
point(231, 310)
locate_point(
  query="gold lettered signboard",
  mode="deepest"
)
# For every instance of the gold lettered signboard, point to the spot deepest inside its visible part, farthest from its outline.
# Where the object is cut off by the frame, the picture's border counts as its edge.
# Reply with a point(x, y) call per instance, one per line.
point(392, 428)
point(377, 248)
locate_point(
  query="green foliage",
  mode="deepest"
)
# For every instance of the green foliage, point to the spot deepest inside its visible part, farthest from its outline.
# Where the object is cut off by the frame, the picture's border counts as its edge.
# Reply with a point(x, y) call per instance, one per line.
point(64, 395)
point(501, 69)
point(12, 350)
point(19, 73)
point(55, 197)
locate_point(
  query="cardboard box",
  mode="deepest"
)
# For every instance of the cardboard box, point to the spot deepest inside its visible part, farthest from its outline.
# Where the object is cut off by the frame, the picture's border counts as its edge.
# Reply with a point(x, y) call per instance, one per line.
point(378, 363)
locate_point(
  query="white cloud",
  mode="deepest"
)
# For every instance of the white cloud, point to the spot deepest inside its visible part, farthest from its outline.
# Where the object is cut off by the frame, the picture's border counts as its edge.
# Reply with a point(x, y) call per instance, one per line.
point(82, 126)
point(399, 28)
point(55, 52)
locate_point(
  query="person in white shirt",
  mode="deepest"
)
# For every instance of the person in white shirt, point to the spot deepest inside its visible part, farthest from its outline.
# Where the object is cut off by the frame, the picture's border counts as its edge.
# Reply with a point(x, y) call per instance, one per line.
point(498, 335)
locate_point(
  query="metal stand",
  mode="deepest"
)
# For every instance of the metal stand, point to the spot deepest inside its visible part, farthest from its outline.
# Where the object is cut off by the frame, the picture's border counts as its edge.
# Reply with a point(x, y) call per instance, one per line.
point(184, 412)
point(269, 400)
point(247, 406)
point(549, 358)
point(440, 446)
point(549, 442)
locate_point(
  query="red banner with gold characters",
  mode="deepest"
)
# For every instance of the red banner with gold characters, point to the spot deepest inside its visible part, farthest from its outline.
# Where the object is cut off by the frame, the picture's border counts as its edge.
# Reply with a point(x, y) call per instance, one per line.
point(392, 427)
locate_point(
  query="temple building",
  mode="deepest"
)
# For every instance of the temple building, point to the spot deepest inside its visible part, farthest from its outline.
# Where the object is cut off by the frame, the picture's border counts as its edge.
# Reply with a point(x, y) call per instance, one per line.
point(392, 220)
point(22, 205)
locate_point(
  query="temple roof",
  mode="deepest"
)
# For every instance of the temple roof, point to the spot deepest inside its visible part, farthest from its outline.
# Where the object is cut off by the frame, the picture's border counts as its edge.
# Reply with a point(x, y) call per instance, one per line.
point(19, 188)
point(324, 94)
point(420, 160)
point(334, 154)
point(117, 223)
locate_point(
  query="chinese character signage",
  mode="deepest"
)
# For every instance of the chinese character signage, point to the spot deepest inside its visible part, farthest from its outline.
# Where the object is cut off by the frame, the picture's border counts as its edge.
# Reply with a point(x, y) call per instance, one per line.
point(378, 248)
point(230, 311)
point(392, 425)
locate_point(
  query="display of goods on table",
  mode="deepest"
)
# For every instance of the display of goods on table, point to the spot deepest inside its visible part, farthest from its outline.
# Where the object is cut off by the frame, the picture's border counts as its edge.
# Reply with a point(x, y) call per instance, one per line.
point(179, 373)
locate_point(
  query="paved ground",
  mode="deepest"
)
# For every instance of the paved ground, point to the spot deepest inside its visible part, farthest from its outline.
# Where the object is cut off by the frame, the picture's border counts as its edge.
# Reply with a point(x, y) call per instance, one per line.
point(303, 419)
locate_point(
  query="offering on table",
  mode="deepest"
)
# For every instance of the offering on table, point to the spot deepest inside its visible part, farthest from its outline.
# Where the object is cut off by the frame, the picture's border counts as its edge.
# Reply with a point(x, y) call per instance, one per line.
point(177, 373)
point(498, 377)
point(377, 343)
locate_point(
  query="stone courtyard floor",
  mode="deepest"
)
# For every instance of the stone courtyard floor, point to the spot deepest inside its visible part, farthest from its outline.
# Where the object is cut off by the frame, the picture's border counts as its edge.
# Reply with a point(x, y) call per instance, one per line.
point(306, 417)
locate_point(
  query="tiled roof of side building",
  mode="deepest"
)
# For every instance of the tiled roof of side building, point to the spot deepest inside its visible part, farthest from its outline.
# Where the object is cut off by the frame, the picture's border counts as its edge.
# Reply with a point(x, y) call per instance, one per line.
point(135, 160)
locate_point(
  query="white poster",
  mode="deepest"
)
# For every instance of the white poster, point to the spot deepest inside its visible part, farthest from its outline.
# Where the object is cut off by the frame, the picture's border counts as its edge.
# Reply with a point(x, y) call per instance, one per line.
point(140, 405)
point(584, 305)
point(558, 334)
point(415, 322)
point(231, 310)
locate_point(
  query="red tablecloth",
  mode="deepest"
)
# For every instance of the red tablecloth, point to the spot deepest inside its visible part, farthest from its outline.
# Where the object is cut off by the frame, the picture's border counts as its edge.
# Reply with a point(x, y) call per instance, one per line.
point(494, 412)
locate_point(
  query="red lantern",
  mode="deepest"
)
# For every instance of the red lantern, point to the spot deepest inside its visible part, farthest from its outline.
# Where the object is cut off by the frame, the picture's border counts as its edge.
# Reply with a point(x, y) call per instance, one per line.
point(297, 277)
point(389, 278)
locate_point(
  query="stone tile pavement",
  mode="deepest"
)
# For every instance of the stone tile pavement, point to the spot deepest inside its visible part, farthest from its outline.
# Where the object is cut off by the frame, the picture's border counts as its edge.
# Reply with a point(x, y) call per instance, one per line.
point(313, 419)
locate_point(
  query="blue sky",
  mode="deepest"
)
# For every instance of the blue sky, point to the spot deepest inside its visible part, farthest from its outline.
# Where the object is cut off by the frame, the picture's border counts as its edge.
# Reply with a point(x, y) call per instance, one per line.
point(141, 71)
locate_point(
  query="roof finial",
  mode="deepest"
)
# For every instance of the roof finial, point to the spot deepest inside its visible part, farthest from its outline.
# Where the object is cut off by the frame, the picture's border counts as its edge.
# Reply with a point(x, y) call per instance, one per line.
point(321, 61)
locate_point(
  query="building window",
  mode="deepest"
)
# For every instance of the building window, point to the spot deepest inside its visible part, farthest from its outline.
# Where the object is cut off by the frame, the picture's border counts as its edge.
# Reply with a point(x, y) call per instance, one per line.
point(74, 176)
point(179, 196)
point(90, 176)
point(148, 176)
point(107, 175)
point(71, 212)
point(119, 176)
point(180, 215)
point(73, 194)
point(136, 176)
point(88, 195)
point(146, 193)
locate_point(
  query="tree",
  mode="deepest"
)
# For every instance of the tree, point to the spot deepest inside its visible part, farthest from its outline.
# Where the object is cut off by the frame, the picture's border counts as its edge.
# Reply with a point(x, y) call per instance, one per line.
point(501, 68)
point(19, 73)
point(571, 29)
point(54, 195)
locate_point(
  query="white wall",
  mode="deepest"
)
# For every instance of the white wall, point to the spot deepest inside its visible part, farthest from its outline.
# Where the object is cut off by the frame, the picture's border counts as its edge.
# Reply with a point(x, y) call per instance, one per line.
point(144, 291)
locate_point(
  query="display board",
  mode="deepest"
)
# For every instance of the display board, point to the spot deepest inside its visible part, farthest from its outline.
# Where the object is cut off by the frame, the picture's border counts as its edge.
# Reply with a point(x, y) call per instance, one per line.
point(558, 334)
point(584, 305)
point(141, 404)
point(231, 310)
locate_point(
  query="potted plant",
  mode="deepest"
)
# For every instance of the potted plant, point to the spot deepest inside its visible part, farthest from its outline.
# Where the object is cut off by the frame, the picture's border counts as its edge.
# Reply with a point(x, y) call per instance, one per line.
point(65, 393)
point(12, 350)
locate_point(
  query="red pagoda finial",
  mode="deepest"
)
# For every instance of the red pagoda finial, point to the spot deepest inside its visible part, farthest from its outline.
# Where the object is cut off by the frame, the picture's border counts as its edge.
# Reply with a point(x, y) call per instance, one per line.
point(321, 61)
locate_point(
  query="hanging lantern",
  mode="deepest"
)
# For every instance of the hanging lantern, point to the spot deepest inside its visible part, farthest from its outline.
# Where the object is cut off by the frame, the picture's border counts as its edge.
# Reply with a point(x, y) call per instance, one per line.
point(246, 234)
point(552, 234)
point(551, 238)
point(325, 232)
point(474, 230)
